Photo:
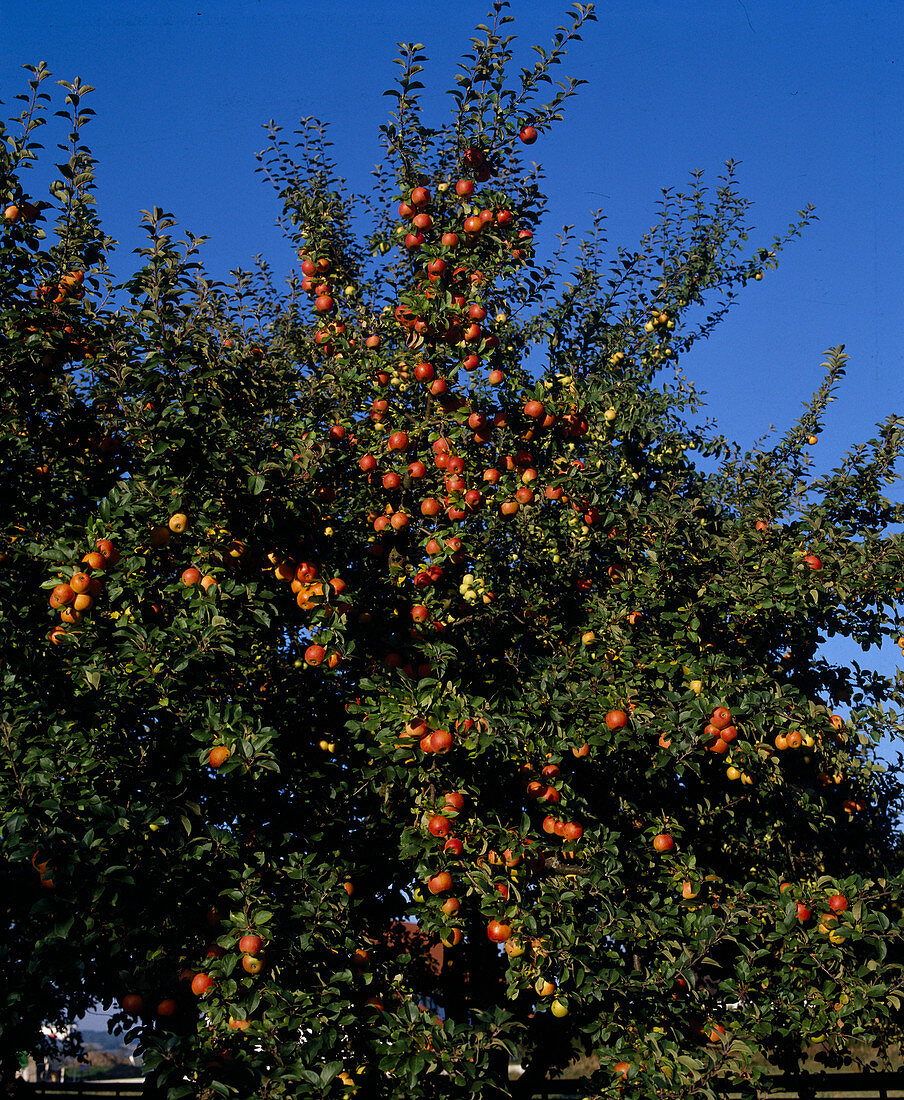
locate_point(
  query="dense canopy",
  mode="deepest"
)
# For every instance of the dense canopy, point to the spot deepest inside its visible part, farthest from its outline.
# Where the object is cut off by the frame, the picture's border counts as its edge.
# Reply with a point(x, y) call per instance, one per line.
point(399, 678)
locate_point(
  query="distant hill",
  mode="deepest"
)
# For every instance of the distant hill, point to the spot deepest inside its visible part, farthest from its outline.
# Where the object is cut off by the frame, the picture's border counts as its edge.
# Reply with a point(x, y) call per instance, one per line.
point(101, 1040)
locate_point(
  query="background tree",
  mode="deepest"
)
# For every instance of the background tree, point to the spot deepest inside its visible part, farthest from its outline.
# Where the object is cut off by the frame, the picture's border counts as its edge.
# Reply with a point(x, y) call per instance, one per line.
point(422, 685)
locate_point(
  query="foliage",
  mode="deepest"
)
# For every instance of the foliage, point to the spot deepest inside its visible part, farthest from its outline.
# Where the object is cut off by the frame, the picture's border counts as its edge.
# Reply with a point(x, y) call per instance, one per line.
point(440, 521)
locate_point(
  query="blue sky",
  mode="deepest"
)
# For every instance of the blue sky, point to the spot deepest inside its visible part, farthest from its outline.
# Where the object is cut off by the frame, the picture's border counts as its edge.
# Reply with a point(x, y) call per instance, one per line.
point(809, 98)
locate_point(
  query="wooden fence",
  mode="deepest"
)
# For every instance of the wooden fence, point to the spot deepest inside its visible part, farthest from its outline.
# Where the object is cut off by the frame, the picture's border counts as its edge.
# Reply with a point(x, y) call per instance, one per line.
point(816, 1086)
point(88, 1090)
point(824, 1086)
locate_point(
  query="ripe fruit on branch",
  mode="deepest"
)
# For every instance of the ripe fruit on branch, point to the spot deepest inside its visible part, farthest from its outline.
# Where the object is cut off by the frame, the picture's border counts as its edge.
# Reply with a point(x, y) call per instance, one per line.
point(133, 1003)
point(838, 903)
point(441, 741)
point(249, 944)
point(218, 756)
point(721, 718)
point(803, 913)
point(498, 931)
point(178, 523)
point(812, 561)
point(251, 964)
point(439, 825)
point(616, 719)
point(452, 938)
point(714, 1033)
point(109, 551)
point(200, 984)
point(79, 582)
point(61, 595)
point(663, 842)
point(314, 655)
point(828, 926)
point(439, 883)
point(528, 135)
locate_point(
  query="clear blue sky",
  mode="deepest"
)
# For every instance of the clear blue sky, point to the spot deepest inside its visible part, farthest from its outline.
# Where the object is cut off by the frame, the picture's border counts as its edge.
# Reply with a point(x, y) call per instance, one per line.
point(809, 97)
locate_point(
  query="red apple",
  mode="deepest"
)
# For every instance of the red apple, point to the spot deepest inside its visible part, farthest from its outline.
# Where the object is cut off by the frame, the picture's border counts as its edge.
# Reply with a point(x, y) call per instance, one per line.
point(721, 718)
point(498, 931)
point(200, 984)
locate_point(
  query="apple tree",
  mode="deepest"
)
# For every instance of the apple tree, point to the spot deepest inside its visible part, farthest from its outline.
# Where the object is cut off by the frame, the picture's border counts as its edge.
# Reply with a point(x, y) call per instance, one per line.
point(400, 678)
